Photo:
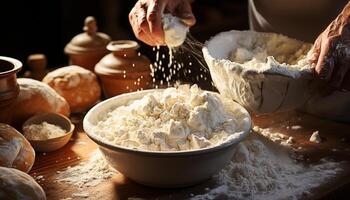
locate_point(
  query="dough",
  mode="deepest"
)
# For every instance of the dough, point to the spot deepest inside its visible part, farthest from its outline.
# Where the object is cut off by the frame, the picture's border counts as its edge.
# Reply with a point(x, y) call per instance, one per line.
point(15, 150)
point(17, 185)
point(77, 85)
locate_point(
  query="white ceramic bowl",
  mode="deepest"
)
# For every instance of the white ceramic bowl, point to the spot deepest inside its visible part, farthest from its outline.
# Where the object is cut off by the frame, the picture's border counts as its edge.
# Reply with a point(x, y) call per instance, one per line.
point(165, 169)
point(266, 89)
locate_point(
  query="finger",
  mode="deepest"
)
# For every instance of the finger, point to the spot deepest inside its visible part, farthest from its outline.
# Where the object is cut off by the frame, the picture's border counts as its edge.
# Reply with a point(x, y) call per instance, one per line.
point(142, 23)
point(184, 11)
point(316, 50)
point(325, 64)
point(146, 39)
point(154, 18)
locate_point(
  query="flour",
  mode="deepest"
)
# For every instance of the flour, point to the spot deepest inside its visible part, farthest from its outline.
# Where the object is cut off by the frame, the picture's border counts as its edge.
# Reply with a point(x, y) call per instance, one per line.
point(175, 30)
point(274, 136)
point(264, 72)
point(260, 171)
point(42, 131)
point(175, 119)
point(315, 137)
point(273, 53)
point(89, 173)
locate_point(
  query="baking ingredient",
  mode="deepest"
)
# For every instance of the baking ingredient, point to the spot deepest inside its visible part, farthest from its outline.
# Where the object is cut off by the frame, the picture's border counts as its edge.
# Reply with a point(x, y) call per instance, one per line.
point(278, 54)
point(89, 173)
point(175, 30)
point(42, 131)
point(261, 170)
point(175, 119)
point(274, 136)
point(315, 137)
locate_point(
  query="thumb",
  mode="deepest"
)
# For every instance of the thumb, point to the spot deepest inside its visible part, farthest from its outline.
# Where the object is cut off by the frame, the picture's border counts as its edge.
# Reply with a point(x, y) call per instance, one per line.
point(184, 12)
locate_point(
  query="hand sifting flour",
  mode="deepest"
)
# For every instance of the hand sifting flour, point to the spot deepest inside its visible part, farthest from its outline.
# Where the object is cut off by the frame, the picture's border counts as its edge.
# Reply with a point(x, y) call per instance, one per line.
point(261, 170)
point(175, 30)
point(175, 119)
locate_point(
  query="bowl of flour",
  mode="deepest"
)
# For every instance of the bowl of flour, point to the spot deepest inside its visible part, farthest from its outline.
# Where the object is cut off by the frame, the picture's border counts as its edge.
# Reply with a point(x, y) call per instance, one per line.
point(172, 137)
point(264, 72)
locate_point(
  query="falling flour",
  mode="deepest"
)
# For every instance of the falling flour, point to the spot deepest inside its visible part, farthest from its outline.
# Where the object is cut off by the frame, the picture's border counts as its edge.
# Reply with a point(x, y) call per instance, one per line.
point(259, 171)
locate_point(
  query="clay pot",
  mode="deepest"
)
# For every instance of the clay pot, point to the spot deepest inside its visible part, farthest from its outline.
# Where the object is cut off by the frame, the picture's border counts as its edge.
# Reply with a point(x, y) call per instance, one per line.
point(9, 88)
point(87, 48)
point(37, 64)
point(124, 70)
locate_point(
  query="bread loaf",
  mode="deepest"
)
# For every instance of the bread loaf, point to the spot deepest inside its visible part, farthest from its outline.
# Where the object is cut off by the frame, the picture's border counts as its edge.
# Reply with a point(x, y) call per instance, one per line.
point(34, 97)
point(17, 185)
point(77, 85)
point(15, 150)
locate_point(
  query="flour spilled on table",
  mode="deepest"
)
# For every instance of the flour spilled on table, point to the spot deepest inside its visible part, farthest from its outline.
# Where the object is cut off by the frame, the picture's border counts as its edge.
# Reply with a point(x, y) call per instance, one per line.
point(89, 173)
point(261, 170)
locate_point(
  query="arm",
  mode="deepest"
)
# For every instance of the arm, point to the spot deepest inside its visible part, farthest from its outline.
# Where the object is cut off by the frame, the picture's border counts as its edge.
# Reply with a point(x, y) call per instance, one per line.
point(332, 52)
point(146, 18)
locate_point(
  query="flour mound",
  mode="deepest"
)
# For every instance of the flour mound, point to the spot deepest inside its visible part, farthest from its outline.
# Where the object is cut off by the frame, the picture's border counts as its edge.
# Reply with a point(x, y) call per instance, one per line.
point(175, 119)
point(257, 171)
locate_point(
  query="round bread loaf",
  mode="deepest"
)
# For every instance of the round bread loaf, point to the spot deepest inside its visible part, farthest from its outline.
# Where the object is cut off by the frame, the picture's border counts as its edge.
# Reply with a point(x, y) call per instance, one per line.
point(34, 97)
point(77, 85)
point(17, 185)
point(15, 150)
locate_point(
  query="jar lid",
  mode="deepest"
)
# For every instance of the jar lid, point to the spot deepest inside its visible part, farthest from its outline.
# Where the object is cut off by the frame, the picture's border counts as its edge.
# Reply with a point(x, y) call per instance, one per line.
point(89, 41)
point(119, 45)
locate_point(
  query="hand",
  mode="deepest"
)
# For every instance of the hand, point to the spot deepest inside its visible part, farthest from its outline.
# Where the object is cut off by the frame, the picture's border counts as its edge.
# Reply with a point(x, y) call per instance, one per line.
point(332, 52)
point(146, 18)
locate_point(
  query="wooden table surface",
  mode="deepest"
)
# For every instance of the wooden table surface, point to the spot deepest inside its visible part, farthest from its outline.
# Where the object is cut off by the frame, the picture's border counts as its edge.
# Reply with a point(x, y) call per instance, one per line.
point(335, 145)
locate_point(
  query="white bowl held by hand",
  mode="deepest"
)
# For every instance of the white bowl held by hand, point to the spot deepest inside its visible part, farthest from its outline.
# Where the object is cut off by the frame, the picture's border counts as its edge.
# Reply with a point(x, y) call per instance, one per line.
point(264, 72)
point(165, 168)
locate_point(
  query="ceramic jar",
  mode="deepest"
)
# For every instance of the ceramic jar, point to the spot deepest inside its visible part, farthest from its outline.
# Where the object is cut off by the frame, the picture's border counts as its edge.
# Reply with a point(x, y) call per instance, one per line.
point(37, 64)
point(87, 48)
point(124, 69)
point(9, 89)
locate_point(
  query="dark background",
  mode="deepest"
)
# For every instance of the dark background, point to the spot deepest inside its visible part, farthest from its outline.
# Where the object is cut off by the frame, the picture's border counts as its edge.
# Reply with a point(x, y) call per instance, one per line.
point(46, 26)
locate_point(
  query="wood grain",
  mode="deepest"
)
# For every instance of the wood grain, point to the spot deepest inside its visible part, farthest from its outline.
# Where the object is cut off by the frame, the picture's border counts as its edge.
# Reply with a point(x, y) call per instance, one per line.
point(335, 145)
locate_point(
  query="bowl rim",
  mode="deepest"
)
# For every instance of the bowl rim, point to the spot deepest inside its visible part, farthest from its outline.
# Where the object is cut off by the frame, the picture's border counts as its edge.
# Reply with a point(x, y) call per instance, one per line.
point(17, 65)
point(87, 126)
point(67, 133)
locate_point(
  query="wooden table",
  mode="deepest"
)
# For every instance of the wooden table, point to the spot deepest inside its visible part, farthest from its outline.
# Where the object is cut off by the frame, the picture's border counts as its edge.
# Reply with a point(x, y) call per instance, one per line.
point(336, 145)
